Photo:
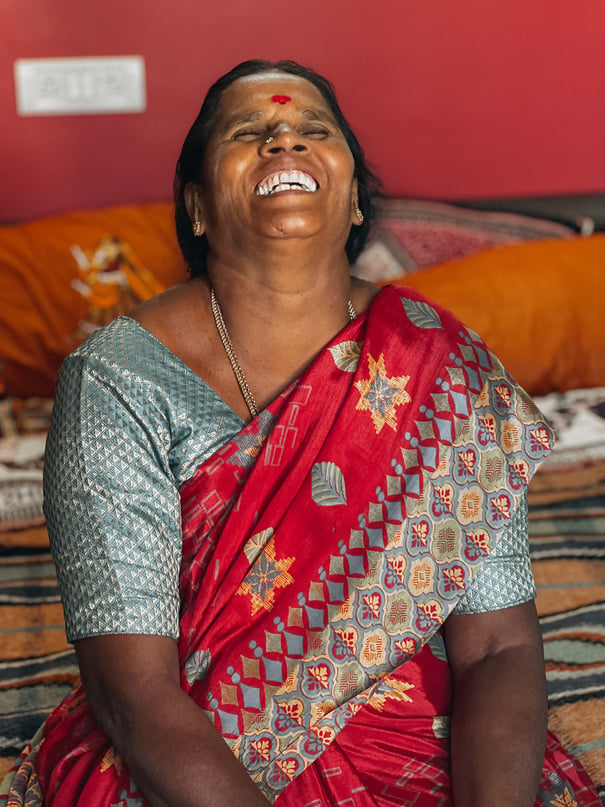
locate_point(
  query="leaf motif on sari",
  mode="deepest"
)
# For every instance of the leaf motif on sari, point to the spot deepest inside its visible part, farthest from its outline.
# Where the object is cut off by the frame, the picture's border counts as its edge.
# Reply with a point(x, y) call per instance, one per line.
point(197, 666)
point(437, 646)
point(422, 315)
point(346, 355)
point(328, 484)
point(255, 545)
point(441, 727)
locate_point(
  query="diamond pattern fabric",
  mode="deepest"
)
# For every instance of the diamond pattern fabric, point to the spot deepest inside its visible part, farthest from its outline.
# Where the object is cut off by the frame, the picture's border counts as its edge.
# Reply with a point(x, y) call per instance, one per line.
point(130, 426)
point(131, 423)
point(505, 579)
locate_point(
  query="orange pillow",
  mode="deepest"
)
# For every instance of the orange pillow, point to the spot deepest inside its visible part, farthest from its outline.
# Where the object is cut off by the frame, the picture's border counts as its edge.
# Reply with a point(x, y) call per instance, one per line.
point(62, 276)
point(538, 305)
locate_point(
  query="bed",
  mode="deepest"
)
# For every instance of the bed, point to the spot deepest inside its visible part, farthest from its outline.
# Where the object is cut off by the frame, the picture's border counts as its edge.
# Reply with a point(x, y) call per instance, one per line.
point(527, 275)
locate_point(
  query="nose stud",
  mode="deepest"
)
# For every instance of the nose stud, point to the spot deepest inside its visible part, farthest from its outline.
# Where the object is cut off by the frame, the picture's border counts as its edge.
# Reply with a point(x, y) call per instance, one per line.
point(269, 139)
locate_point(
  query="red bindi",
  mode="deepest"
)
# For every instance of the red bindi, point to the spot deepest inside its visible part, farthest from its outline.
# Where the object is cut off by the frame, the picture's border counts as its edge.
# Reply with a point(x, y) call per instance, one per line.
point(281, 99)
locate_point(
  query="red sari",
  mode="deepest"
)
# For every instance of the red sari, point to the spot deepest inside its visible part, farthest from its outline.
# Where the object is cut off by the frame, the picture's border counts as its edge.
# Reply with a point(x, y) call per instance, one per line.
point(323, 548)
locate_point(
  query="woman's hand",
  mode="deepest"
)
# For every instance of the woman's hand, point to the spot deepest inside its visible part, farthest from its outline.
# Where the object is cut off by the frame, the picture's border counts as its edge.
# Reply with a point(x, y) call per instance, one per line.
point(498, 730)
point(172, 750)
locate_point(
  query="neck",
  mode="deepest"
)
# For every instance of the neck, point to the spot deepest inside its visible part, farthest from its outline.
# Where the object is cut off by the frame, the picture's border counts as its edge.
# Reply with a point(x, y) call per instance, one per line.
point(282, 287)
point(280, 316)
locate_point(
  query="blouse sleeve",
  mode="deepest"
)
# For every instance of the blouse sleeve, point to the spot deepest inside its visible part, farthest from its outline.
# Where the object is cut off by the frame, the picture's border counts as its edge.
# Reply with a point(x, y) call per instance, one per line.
point(112, 504)
point(506, 578)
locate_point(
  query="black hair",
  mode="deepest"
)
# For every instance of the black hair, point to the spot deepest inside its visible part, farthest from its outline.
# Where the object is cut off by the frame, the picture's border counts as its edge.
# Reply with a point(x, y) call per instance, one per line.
point(195, 249)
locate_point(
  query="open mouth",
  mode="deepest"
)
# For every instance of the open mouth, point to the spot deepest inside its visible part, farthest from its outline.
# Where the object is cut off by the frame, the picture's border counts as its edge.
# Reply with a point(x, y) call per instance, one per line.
point(286, 181)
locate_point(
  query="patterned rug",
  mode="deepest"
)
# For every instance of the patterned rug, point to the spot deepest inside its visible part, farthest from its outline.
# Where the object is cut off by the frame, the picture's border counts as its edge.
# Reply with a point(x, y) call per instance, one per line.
point(567, 530)
point(567, 534)
point(37, 666)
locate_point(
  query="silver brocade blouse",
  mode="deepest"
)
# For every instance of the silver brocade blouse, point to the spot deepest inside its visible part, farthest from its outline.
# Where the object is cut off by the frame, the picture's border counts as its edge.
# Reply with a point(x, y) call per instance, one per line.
point(131, 424)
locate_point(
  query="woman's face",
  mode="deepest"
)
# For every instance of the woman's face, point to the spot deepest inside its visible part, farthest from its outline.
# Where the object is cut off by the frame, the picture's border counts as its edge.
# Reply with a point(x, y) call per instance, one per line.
point(276, 165)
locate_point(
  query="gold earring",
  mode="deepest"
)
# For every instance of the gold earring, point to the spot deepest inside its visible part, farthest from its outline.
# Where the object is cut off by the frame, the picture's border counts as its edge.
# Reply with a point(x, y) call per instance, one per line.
point(197, 224)
point(358, 213)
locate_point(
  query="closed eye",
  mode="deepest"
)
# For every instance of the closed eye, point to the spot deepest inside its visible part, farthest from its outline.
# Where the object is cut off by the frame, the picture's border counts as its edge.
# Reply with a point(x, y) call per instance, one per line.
point(316, 132)
point(248, 134)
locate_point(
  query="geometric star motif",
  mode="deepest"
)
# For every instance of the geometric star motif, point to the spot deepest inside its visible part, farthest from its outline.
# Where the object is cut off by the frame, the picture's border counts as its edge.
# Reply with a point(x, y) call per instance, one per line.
point(380, 395)
point(266, 575)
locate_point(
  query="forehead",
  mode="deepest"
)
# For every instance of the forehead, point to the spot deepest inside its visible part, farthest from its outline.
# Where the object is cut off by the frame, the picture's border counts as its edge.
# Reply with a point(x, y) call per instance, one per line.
point(257, 91)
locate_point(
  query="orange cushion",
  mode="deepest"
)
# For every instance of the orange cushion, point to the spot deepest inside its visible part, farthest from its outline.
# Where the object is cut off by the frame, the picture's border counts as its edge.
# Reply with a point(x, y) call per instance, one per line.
point(49, 302)
point(538, 305)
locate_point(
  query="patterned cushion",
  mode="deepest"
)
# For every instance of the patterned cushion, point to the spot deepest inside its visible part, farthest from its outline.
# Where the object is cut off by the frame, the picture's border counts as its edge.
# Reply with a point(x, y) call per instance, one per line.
point(538, 305)
point(61, 276)
point(409, 234)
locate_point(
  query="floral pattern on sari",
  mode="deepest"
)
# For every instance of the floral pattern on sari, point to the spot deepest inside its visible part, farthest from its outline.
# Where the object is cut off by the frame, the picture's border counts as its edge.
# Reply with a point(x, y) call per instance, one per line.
point(443, 441)
point(323, 548)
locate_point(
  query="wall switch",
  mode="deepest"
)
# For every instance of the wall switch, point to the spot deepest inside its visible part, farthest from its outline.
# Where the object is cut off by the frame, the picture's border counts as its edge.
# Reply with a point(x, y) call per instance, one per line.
point(86, 86)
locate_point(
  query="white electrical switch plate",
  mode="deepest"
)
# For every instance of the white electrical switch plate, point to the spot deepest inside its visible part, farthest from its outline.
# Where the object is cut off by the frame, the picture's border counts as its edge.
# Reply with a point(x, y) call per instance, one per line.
point(87, 86)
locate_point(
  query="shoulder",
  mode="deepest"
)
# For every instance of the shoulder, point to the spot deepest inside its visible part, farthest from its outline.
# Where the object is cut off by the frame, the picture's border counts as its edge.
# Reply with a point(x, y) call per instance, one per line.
point(121, 350)
point(125, 365)
point(120, 371)
point(152, 334)
point(398, 295)
point(112, 339)
point(418, 320)
point(181, 319)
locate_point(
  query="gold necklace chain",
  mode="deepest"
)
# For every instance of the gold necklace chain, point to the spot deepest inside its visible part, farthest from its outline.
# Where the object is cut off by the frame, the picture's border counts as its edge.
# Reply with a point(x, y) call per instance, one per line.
point(232, 356)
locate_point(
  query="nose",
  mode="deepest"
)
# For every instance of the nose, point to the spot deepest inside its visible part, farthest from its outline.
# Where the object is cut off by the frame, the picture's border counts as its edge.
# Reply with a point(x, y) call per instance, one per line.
point(282, 137)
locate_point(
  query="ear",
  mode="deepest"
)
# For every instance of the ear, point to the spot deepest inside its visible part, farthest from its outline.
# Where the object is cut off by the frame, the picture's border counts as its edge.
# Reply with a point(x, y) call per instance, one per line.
point(191, 195)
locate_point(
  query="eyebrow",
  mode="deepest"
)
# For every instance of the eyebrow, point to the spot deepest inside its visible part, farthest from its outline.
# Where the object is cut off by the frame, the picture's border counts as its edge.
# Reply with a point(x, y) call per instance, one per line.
point(318, 114)
point(239, 118)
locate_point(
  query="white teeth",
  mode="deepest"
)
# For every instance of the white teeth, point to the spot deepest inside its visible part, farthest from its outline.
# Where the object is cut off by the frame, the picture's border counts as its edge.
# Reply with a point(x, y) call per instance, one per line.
point(285, 181)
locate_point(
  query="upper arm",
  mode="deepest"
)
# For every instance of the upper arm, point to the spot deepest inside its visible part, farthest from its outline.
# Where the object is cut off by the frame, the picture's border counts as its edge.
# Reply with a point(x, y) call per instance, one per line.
point(121, 674)
point(116, 546)
point(497, 612)
point(470, 638)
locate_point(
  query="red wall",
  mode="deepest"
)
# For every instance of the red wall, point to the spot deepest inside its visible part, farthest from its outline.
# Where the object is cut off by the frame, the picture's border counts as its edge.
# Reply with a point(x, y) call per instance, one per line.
point(451, 100)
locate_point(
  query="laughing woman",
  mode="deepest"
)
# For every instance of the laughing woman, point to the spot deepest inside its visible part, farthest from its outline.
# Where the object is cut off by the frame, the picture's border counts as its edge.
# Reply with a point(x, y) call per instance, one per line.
point(288, 511)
